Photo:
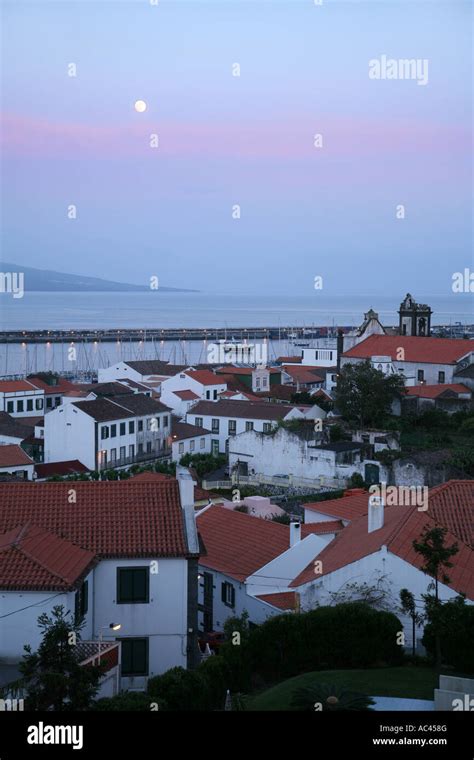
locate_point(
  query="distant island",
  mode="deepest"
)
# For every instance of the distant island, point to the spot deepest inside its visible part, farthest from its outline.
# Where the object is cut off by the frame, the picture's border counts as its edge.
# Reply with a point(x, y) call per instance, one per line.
point(47, 280)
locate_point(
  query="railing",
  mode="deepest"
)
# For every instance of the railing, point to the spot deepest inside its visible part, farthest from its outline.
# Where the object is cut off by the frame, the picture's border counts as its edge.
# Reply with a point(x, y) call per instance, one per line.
point(318, 484)
point(146, 456)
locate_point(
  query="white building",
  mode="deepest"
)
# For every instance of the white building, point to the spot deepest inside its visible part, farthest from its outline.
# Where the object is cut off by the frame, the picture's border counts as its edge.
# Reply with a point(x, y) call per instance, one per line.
point(104, 433)
point(227, 418)
point(20, 398)
point(141, 370)
point(249, 563)
point(183, 390)
point(376, 548)
point(124, 553)
point(300, 453)
point(188, 439)
point(426, 360)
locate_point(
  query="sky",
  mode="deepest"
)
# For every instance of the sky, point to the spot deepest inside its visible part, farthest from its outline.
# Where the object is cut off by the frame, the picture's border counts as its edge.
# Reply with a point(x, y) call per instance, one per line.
point(247, 140)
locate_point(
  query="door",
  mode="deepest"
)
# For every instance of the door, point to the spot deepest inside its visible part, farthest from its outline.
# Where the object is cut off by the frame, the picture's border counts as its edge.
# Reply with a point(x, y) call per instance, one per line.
point(372, 474)
point(215, 447)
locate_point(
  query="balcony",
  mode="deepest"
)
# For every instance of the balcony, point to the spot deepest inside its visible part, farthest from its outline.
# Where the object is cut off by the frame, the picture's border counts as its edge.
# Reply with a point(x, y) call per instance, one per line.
point(144, 458)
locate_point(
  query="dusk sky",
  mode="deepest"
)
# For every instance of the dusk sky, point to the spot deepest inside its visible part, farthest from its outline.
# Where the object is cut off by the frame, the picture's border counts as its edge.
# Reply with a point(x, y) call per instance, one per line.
point(247, 140)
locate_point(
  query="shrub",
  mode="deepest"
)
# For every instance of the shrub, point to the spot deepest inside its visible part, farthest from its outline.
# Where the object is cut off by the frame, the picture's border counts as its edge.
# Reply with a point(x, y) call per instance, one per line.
point(181, 690)
point(328, 698)
point(126, 701)
point(456, 625)
point(217, 675)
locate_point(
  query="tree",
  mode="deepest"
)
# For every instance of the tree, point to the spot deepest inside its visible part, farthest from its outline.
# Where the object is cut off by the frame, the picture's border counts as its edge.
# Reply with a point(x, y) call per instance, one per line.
point(408, 606)
point(364, 395)
point(437, 555)
point(53, 677)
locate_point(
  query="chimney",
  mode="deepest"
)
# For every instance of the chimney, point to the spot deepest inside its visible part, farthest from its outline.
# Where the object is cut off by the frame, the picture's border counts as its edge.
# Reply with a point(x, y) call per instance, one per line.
point(376, 507)
point(295, 533)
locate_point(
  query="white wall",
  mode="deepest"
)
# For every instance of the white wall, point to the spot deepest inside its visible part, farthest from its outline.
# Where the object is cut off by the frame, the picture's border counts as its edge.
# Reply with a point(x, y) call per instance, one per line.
point(223, 433)
point(163, 619)
point(176, 454)
point(35, 395)
point(69, 434)
point(20, 468)
point(258, 611)
point(410, 370)
point(118, 371)
point(21, 628)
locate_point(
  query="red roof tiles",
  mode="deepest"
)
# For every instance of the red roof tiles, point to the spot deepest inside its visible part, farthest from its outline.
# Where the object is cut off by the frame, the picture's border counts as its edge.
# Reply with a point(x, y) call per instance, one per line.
point(111, 519)
point(35, 559)
point(12, 455)
point(238, 544)
point(452, 505)
point(345, 508)
point(204, 376)
point(186, 395)
point(71, 467)
point(284, 600)
point(14, 386)
point(417, 349)
point(434, 391)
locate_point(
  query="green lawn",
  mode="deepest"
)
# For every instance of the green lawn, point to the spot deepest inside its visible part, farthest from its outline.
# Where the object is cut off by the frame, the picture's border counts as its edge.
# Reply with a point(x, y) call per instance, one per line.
point(405, 681)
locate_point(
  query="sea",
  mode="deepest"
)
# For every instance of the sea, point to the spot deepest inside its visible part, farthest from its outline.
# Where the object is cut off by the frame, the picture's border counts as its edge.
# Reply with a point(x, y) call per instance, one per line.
point(96, 311)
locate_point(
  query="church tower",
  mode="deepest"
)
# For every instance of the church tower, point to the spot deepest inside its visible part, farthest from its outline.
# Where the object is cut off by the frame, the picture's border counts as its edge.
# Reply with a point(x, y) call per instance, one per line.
point(415, 318)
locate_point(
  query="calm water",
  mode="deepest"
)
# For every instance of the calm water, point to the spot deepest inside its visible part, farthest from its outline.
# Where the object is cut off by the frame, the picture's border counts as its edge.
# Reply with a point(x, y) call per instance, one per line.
point(182, 310)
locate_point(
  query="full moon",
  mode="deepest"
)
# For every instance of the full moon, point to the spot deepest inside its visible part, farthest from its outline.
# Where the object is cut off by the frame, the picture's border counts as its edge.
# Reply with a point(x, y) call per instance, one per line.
point(140, 106)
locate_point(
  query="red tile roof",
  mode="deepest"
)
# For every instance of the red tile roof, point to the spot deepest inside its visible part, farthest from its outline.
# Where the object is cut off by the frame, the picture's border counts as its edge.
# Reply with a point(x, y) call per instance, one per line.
point(13, 386)
point(62, 386)
point(249, 410)
point(284, 600)
point(110, 518)
point(186, 395)
point(291, 359)
point(32, 558)
point(204, 376)
point(452, 505)
point(182, 430)
point(320, 528)
point(417, 349)
point(401, 526)
point(71, 467)
point(238, 544)
point(345, 508)
point(303, 374)
point(434, 391)
point(12, 455)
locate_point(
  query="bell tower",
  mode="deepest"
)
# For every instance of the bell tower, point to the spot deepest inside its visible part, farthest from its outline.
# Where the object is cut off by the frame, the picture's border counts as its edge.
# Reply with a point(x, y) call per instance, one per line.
point(414, 318)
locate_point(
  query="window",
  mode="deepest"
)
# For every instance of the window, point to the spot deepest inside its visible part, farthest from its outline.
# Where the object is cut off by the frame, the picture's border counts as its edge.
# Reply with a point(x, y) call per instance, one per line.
point(215, 395)
point(215, 426)
point(122, 428)
point(257, 382)
point(38, 403)
point(57, 401)
point(267, 426)
point(131, 427)
point(113, 431)
point(264, 382)
point(165, 421)
point(202, 443)
point(148, 447)
point(228, 594)
point(181, 448)
point(132, 585)
point(131, 450)
point(104, 432)
point(198, 421)
point(140, 448)
point(248, 425)
point(441, 377)
point(29, 405)
point(215, 447)
point(232, 427)
point(140, 426)
point(19, 406)
point(49, 403)
point(191, 445)
point(123, 452)
point(10, 406)
point(421, 375)
point(134, 657)
point(208, 394)
point(113, 455)
point(81, 602)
